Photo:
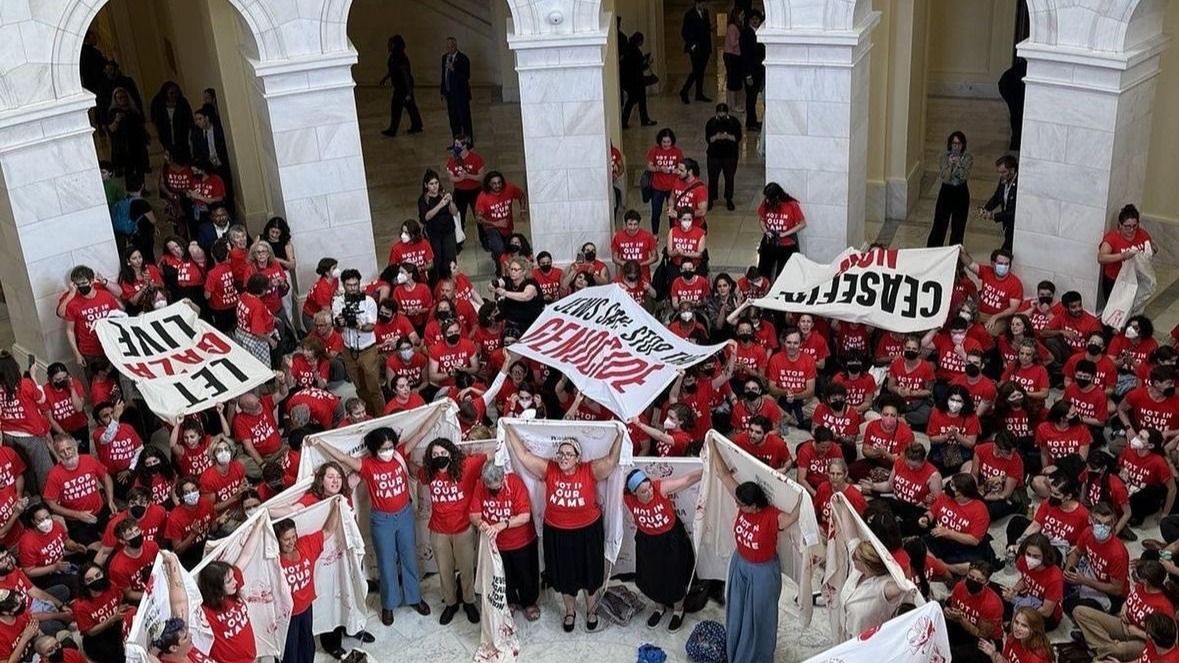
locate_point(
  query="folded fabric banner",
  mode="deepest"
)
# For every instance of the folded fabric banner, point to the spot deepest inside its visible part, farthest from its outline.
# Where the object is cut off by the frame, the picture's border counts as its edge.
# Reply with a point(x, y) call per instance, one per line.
point(847, 530)
point(1135, 284)
point(156, 607)
point(901, 290)
point(543, 437)
point(614, 351)
point(499, 641)
point(660, 469)
point(180, 363)
point(918, 636)
point(715, 512)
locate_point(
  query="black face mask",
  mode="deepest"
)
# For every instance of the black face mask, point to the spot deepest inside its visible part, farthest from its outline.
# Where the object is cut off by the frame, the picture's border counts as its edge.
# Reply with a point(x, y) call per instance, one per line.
point(1094, 349)
point(4, 571)
point(1083, 383)
point(19, 609)
point(135, 541)
point(973, 586)
point(514, 248)
point(1074, 420)
point(911, 354)
point(1046, 299)
point(442, 316)
point(137, 511)
point(452, 338)
point(837, 405)
point(950, 492)
point(973, 370)
point(854, 367)
point(61, 384)
point(690, 388)
point(100, 585)
point(1054, 501)
point(687, 274)
point(85, 289)
point(590, 256)
point(546, 268)
point(384, 318)
point(439, 463)
point(752, 395)
point(1168, 392)
point(744, 338)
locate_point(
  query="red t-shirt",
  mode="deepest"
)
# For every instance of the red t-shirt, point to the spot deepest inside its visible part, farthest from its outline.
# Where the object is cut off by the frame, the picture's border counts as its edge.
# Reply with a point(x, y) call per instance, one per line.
point(233, 634)
point(694, 292)
point(128, 572)
point(772, 451)
point(194, 461)
point(768, 409)
point(949, 364)
point(1032, 378)
point(184, 520)
point(790, 374)
point(450, 500)
point(411, 369)
point(549, 284)
point(452, 358)
point(815, 344)
point(1138, 472)
point(942, 423)
point(685, 194)
point(756, 534)
point(910, 485)
point(1060, 525)
point(853, 338)
point(300, 571)
point(323, 405)
point(321, 295)
point(917, 378)
point(984, 607)
point(152, 526)
point(37, 549)
point(1091, 404)
point(59, 404)
point(223, 487)
point(78, 489)
point(822, 502)
point(843, 424)
point(994, 293)
point(875, 437)
point(188, 273)
point(304, 374)
point(664, 158)
point(748, 358)
point(511, 500)
point(1046, 583)
point(571, 500)
point(414, 301)
point(1146, 412)
point(1137, 351)
point(260, 429)
point(813, 465)
point(387, 483)
point(84, 313)
point(117, 454)
point(1060, 443)
point(8, 498)
point(684, 241)
point(389, 333)
point(638, 247)
point(780, 219)
point(90, 611)
point(859, 389)
point(983, 391)
point(393, 406)
point(419, 254)
point(19, 410)
point(1141, 603)
point(253, 316)
point(11, 467)
point(971, 518)
point(991, 466)
point(1151, 654)
point(468, 165)
point(1085, 326)
point(496, 208)
point(219, 283)
point(1108, 561)
point(1117, 244)
point(655, 517)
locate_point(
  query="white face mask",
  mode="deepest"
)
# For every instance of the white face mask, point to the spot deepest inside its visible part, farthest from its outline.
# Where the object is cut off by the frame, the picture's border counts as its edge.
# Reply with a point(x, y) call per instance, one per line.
point(45, 526)
point(405, 237)
point(222, 457)
point(385, 455)
point(668, 424)
point(336, 273)
point(686, 225)
point(957, 338)
point(406, 355)
point(1032, 562)
point(1131, 333)
point(525, 403)
point(191, 498)
point(402, 277)
point(1139, 443)
point(954, 406)
point(159, 304)
point(251, 511)
point(686, 316)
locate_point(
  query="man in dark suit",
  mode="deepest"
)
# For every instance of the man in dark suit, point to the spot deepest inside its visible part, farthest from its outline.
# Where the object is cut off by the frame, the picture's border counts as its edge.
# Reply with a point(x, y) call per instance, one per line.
point(1001, 207)
point(207, 143)
point(219, 221)
point(456, 89)
point(697, 35)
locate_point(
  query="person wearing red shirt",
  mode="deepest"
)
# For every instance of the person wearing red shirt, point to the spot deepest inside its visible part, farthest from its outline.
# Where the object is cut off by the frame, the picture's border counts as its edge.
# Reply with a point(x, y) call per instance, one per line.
point(1060, 436)
point(42, 548)
point(413, 248)
point(974, 611)
point(852, 339)
point(1068, 331)
point(225, 610)
point(997, 468)
point(190, 522)
point(689, 288)
point(631, 279)
point(493, 211)
point(781, 219)
point(911, 378)
point(412, 296)
point(953, 430)
point(464, 169)
point(791, 375)
point(747, 356)
point(1120, 637)
point(675, 436)
point(1147, 475)
point(884, 439)
point(914, 483)
point(130, 566)
point(814, 342)
point(548, 278)
point(299, 557)
point(319, 298)
point(324, 406)
point(754, 285)
point(1026, 643)
point(136, 278)
point(837, 482)
point(688, 192)
point(409, 363)
point(256, 330)
point(224, 482)
point(982, 389)
point(89, 299)
point(860, 385)
point(760, 440)
point(834, 413)
point(451, 355)
point(65, 400)
point(25, 425)
point(685, 240)
point(662, 160)
point(501, 509)
point(753, 401)
point(686, 325)
point(951, 348)
point(1000, 292)
point(80, 490)
point(1162, 645)
point(634, 243)
point(221, 290)
point(1154, 405)
point(1030, 374)
point(958, 522)
point(1133, 347)
point(1103, 577)
point(814, 457)
point(1121, 244)
point(253, 426)
point(1040, 578)
point(1041, 309)
point(1061, 517)
point(309, 365)
point(98, 614)
point(150, 517)
point(265, 264)
point(404, 397)
point(573, 532)
point(190, 448)
point(116, 444)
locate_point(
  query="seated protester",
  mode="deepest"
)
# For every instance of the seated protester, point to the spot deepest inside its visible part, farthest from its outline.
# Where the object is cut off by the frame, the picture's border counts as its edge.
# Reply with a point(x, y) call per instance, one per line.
point(911, 378)
point(1148, 475)
point(913, 484)
point(1091, 403)
point(813, 342)
point(1041, 581)
point(190, 522)
point(686, 323)
point(272, 482)
point(403, 396)
point(1164, 356)
point(413, 297)
point(889, 347)
point(764, 331)
point(859, 384)
point(837, 482)
point(319, 298)
point(1069, 331)
point(834, 413)
point(1064, 444)
point(324, 407)
point(1102, 484)
point(749, 356)
point(1026, 643)
point(813, 458)
point(760, 440)
point(42, 549)
point(48, 606)
point(392, 326)
point(450, 355)
point(1121, 636)
point(1012, 415)
point(973, 612)
point(1097, 569)
point(884, 439)
point(1062, 518)
point(1018, 331)
point(689, 287)
point(354, 413)
point(253, 426)
point(1104, 373)
point(852, 340)
point(754, 284)
point(148, 516)
point(190, 448)
point(953, 431)
point(407, 362)
point(98, 612)
point(981, 388)
point(1027, 372)
point(1162, 645)
point(130, 566)
point(790, 374)
point(65, 402)
point(1000, 293)
point(686, 240)
point(949, 348)
point(1040, 310)
point(116, 444)
point(154, 474)
point(1153, 405)
point(80, 490)
point(752, 401)
point(697, 389)
point(957, 522)
point(443, 313)
point(676, 434)
point(998, 470)
point(225, 482)
point(309, 365)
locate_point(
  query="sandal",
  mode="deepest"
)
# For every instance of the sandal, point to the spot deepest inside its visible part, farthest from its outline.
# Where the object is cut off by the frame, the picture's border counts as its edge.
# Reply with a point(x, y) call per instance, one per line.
point(569, 621)
point(532, 613)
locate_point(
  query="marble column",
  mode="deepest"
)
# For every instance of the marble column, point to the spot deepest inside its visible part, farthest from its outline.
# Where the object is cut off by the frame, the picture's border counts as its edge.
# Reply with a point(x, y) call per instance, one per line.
point(566, 149)
point(816, 128)
point(1086, 135)
point(53, 216)
point(315, 169)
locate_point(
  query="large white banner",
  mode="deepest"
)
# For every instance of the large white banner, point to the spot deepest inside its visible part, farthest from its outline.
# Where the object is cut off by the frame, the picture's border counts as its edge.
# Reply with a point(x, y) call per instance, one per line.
point(614, 351)
point(543, 437)
point(901, 290)
point(1135, 284)
point(156, 607)
point(716, 510)
point(180, 363)
point(660, 469)
point(918, 636)
point(499, 640)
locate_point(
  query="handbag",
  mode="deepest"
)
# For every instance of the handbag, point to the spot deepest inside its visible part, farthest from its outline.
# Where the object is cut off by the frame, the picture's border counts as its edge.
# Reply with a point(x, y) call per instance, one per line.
point(459, 235)
point(645, 185)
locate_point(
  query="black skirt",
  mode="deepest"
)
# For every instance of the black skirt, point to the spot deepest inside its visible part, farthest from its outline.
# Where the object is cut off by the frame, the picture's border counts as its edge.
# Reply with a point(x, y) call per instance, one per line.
point(664, 564)
point(575, 559)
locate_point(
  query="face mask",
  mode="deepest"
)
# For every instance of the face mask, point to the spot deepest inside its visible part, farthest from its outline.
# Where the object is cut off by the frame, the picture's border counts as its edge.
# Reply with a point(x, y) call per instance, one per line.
point(84, 289)
point(686, 316)
point(686, 225)
point(524, 403)
point(973, 586)
point(1140, 444)
point(1168, 392)
point(1094, 348)
point(439, 463)
point(191, 498)
point(222, 457)
point(1084, 383)
point(1032, 562)
point(965, 315)
point(135, 541)
point(688, 274)
point(1102, 532)
point(385, 455)
point(452, 338)
point(668, 424)
point(1046, 299)
point(137, 511)
point(973, 370)
point(854, 367)
point(910, 354)
point(954, 406)
point(752, 395)
point(590, 256)
point(1055, 501)
point(1131, 333)
point(405, 355)
point(1073, 420)
point(545, 269)
point(690, 388)
point(45, 526)
point(335, 272)
point(958, 338)
point(61, 384)
point(402, 277)
point(99, 585)
point(515, 248)
point(837, 405)
point(1002, 269)
point(456, 151)
point(442, 315)
point(405, 237)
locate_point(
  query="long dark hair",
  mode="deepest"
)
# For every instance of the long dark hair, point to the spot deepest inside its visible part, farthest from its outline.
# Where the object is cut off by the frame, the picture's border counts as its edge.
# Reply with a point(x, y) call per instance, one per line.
point(776, 196)
point(967, 400)
point(430, 174)
point(950, 139)
point(284, 230)
point(10, 374)
point(211, 582)
point(454, 469)
point(1099, 464)
point(166, 469)
point(916, 550)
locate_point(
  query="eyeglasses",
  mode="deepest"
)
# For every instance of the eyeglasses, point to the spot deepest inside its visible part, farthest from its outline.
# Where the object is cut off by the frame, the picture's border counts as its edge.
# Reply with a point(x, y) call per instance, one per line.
point(566, 454)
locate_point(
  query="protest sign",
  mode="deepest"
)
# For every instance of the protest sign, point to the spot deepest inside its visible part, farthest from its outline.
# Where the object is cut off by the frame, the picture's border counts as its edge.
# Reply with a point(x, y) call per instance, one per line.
point(716, 510)
point(900, 290)
point(615, 352)
point(660, 469)
point(919, 636)
point(180, 363)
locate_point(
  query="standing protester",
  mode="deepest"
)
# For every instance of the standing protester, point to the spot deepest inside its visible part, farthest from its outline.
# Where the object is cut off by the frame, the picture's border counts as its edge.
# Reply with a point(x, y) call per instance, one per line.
point(723, 135)
point(500, 508)
point(493, 211)
point(456, 89)
point(697, 35)
point(437, 213)
point(781, 220)
point(299, 556)
point(401, 77)
point(464, 168)
point(354, 315)
point(953, 199)
point(662, 160)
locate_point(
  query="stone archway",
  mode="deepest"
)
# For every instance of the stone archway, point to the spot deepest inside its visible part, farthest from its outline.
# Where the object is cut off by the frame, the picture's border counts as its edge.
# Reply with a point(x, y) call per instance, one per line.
point(812, 15)
point(555, 17)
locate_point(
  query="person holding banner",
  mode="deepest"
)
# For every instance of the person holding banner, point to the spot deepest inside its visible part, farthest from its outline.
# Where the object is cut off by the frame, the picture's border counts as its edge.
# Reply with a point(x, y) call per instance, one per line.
point(299, 556)
point(837, 482)
point(500, 508)
point(98, 612)
point(574, 535)
point(754, 583)
point(870, 596)
point(664, 558)
point(1027, 642)
point(171, 639)
point(1119, 245)
point(385, 474)
point(226, 612)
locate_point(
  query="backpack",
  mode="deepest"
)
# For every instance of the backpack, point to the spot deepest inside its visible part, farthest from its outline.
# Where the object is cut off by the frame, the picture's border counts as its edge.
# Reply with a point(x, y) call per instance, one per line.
point(121, 217)
point(619, 605)
point(707, 643)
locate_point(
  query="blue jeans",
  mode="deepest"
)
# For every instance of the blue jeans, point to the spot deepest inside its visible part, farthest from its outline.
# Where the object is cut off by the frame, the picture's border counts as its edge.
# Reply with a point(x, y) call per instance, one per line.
point(397, 557)
point(657, 199)
point(496, 245)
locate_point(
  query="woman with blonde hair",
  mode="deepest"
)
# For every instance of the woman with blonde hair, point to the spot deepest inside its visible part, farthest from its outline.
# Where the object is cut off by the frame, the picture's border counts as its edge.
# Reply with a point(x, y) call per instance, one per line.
point(870, 596)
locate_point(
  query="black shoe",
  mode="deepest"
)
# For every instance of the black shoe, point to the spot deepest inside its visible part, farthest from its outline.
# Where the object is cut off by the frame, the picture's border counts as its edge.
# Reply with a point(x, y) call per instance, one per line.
point(730, 206)
point(338, 653)
point(568, 622)
point(710, 205)
point(387, 617)
point(701, 97)
point(365, 637)
point(389, 132)
point(676, 622)
point(1127, 534)
point(448, 614)
point(655, 618)
point(649, 123)
point(684, 98)
point(472, 613)
point(423, 608)
point(591, 626)
point(753, 126)
point(626, 126)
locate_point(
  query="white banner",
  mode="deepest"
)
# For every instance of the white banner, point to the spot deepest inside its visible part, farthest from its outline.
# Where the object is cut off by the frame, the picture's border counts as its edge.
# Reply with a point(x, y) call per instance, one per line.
point(918, 636)
point(543, 437)
point(716, 510)
point(614, 351)
point(180, 363)
point(660, 469)
point(900, 290)
point(499, 641)
point(1135, 284)
point(156, 607)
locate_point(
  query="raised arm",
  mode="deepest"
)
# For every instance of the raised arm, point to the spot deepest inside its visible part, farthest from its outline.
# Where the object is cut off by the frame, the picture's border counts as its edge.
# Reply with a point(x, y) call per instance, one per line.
point(603, 466)
point(335, 454)
point(535, 465)
point(722, 470)
point(672, 486)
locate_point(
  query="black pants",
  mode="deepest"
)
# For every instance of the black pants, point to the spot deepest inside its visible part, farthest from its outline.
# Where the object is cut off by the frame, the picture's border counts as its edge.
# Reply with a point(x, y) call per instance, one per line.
point(717, 166)
point(1008, 234)
point(458, 110)
point(464, 200)
point(699, 59)
point(636, 95)
point(522, 573)
point(1146, 502)
point(106, 647)
point(953, 208)
point(300, 645)
point(771, 259)
point(225, 321)
point(403, 100)
point(751, 92)
point(907, 516)
point(445, 249)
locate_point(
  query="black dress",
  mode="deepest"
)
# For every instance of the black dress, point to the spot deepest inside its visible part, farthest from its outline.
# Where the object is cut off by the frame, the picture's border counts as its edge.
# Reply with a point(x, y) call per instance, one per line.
point(440, 232)
point(664, 564)
point(521, 314)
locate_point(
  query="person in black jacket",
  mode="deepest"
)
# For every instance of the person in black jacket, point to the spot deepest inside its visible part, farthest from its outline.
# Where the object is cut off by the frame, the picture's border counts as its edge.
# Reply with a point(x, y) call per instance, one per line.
point(172, 116)
point(723, 135)
point(697, 35)
point(207, 143)
point(1001, 207)
point(456, 89)
point(753, 56)
point(633, 81)
point(402, 78)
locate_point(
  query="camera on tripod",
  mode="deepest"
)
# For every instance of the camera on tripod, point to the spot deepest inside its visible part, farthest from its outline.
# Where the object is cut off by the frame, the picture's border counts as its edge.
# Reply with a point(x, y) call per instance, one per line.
point(350, 313)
